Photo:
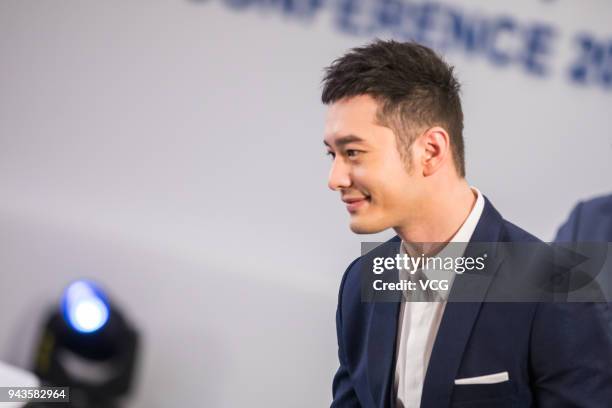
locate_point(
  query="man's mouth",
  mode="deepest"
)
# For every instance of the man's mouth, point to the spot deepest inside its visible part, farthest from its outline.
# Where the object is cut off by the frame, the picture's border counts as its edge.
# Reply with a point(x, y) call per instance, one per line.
point(354, 203)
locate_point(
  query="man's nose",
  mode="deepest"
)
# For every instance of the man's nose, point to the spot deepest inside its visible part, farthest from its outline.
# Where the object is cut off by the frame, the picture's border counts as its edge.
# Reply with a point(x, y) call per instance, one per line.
point(339, 176)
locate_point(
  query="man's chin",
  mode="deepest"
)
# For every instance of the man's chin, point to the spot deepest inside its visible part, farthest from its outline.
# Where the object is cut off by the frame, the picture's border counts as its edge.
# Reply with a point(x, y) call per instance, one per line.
point(366, 228)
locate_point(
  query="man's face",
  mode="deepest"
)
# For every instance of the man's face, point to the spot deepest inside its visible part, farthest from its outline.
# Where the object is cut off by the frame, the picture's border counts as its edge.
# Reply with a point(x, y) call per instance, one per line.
point(367, 169)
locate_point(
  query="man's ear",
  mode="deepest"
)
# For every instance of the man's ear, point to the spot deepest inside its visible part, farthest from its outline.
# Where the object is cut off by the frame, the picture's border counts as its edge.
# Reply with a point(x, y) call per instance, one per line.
point(435, 146)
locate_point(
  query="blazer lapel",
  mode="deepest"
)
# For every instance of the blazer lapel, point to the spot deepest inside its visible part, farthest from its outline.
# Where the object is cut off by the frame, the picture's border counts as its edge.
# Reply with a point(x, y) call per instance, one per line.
point(381, 351)
point(382, 334)
point(459, 316)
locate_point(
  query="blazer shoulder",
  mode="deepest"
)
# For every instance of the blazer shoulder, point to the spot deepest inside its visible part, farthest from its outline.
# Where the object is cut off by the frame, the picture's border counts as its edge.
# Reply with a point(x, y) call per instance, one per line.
point(598, 206)
point(513, 233)
point(347, 272)
point(589, 220)
point(351, 280)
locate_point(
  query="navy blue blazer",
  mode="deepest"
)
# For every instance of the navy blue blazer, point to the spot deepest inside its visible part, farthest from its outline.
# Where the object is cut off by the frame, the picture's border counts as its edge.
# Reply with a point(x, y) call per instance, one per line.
point(589, 221)
point(557, 354)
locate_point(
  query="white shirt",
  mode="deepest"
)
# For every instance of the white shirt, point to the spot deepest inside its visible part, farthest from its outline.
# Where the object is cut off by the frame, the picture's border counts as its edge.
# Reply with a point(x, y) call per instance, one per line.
point(419, 321)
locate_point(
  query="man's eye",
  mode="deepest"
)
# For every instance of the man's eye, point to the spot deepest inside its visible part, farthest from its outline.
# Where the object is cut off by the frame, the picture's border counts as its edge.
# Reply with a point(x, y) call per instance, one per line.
point(332, 154)
point(352, 153)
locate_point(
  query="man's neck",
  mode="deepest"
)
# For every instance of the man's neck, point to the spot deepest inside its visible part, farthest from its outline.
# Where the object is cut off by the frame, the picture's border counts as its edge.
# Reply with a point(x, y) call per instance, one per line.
point(441, 218)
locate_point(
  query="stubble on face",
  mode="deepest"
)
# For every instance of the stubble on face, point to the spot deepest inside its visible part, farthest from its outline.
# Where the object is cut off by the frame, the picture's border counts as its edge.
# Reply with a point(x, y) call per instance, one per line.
point(379, 173)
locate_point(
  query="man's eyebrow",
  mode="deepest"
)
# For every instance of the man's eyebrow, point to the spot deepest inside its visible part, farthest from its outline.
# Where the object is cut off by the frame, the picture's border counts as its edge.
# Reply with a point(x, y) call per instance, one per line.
point(344, 140)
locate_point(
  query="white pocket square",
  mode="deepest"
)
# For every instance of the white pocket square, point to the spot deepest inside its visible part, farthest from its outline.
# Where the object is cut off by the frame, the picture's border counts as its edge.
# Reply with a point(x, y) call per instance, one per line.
point(484, 379)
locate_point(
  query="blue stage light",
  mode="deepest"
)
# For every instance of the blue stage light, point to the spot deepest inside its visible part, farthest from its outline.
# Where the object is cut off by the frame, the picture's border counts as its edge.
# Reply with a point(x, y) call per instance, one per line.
point(85, 307)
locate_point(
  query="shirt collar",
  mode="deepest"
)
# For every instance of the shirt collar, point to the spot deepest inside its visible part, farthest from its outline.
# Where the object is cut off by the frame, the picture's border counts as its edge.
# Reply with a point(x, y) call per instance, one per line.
point(460, 241)
point(469, 226)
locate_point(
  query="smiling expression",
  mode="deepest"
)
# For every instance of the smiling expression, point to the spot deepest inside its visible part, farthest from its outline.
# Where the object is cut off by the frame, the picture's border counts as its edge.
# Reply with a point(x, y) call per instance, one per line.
point(377, 189)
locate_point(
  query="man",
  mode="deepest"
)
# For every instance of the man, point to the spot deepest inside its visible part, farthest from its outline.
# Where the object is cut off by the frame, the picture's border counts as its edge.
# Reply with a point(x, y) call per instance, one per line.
point(590, 220)
point(394, 132)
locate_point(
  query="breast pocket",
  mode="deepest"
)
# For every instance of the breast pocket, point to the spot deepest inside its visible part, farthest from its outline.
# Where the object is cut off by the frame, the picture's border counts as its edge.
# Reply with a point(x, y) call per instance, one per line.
point(500, 395)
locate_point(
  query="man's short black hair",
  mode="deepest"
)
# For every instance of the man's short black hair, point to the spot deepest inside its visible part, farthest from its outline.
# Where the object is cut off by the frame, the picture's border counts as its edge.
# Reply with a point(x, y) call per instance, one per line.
point(413, 85)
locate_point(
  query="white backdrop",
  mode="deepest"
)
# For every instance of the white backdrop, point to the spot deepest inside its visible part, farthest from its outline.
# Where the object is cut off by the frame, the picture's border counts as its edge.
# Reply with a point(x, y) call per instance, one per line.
point(172, 150)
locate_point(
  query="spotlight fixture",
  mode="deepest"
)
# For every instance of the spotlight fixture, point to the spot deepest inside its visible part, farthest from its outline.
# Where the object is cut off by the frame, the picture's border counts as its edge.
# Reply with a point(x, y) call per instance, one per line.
point(89, 346)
